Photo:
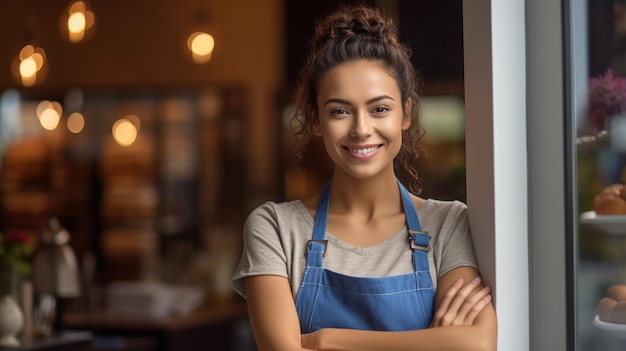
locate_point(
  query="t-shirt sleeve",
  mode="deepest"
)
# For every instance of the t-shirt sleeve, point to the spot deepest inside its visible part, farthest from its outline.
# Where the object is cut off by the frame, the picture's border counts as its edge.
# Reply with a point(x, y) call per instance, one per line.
point(457, 249)
point(262, 251)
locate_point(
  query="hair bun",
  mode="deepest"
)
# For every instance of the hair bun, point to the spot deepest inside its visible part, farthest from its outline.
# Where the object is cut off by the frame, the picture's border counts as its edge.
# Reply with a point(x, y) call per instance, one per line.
point(374, 26)
point(351, 22)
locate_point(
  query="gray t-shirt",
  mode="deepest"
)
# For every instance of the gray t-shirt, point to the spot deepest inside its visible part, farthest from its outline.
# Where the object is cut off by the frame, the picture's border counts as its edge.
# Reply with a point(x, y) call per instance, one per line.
point(275, 241)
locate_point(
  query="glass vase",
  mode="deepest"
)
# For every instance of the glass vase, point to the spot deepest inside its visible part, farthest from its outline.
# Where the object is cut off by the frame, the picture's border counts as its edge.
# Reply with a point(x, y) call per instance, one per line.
point(11, 314)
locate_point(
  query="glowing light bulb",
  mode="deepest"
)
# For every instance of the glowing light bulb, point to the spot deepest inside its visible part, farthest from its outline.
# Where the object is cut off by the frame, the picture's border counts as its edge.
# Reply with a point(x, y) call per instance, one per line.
point(124, 132)
point(49, 119)
point(76, 24)
point(28, 65)
point(75, 122)
point(201, 46)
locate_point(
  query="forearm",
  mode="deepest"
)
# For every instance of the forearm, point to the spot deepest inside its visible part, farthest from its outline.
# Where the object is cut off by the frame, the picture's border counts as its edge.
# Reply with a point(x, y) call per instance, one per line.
point(272, 314)
point(482, 336)
point(445, 338)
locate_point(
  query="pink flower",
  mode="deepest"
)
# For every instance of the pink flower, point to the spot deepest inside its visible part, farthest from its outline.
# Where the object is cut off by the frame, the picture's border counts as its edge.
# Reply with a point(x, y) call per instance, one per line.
point(607, 97)
point(15, 237)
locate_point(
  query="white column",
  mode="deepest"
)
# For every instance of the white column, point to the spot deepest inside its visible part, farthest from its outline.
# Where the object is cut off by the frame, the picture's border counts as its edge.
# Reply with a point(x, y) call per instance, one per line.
point(497, 194)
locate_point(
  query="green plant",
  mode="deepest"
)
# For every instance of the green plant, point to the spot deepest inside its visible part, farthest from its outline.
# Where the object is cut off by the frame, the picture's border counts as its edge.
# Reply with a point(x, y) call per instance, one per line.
point(15, 251)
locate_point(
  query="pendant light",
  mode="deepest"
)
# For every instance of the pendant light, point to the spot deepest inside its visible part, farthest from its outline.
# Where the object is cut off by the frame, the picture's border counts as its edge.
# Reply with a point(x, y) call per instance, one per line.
point(200, 43)
point(201, 46)
point(30, 65)
point(77, 23)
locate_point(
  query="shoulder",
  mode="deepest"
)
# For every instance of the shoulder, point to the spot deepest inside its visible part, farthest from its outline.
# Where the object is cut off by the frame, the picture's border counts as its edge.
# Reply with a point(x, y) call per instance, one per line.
point(444, 214)
point(436, 204)
point(277, 208)
point(274, 213)
point(310, 202)
point(448, 207)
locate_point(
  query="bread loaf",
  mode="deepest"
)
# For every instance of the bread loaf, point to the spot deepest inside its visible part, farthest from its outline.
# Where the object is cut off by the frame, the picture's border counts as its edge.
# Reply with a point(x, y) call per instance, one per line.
point(611, 201)
point(612, 307)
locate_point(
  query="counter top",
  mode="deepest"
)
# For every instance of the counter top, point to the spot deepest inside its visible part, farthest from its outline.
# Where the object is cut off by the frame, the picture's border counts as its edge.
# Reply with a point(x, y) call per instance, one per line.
point(69, 340)
point(206, 314)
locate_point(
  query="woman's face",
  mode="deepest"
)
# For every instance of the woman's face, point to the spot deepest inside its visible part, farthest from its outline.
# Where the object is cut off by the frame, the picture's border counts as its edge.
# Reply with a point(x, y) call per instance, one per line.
point(361, 118)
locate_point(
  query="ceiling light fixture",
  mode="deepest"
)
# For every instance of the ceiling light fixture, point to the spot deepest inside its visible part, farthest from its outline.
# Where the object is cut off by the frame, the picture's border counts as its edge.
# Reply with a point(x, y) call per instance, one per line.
point(78, 22)
point(200, 43)
point(30, 66)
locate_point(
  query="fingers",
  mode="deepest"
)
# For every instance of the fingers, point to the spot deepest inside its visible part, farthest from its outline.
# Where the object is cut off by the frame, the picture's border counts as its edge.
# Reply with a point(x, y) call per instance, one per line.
point(462, 303)
point(472, 306)
point(459, 306)
point(482, 303)
point(445, 303)
point(442, 316)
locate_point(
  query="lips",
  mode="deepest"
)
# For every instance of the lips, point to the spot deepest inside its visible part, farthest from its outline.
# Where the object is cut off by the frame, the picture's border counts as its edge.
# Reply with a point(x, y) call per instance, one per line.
point(364, 151)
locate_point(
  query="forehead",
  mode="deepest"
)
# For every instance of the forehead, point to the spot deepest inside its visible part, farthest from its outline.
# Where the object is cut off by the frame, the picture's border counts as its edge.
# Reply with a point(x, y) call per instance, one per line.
point(358, 80)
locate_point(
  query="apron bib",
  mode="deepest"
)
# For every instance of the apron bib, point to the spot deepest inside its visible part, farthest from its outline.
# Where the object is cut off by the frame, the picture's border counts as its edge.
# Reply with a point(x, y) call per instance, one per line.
point(327, 299)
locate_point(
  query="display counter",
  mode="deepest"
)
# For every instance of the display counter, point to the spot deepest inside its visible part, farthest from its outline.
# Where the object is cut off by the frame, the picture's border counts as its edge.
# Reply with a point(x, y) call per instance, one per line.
point(213, 326)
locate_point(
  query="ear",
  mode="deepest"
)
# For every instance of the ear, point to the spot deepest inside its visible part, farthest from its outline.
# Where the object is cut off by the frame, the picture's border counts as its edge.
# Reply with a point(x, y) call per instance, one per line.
point(406, 119)
point(316, 129)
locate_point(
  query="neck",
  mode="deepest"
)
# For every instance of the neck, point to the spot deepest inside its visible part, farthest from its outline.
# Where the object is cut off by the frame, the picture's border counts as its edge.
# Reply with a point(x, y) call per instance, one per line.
point(370, 197)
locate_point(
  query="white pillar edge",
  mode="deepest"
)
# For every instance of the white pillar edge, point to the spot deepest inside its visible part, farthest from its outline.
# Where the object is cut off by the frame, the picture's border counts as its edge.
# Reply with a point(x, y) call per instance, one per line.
point(497, 194)
point(553, 317)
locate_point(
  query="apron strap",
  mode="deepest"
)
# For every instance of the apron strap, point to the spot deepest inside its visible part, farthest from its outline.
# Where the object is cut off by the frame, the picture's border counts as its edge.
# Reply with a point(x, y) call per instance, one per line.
point(412, 221)
point(420, 241)
point(321, 214)
point(317, 245)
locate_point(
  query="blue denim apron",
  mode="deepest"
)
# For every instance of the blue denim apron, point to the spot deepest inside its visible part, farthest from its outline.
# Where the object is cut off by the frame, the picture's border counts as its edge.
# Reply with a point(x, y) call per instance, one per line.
point(327, 299)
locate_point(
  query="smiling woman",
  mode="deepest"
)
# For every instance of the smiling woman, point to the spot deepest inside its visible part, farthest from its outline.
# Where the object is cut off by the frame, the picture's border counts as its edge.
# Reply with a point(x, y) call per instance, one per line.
point(334, 270)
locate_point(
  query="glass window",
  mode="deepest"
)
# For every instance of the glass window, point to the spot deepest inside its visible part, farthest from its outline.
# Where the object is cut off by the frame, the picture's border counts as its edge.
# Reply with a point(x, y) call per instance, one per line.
point(599, 122)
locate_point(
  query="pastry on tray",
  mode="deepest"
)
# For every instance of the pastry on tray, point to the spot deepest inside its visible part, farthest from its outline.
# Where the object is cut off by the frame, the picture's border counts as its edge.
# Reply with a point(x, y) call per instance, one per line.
point(612, 307)
point(611, 201)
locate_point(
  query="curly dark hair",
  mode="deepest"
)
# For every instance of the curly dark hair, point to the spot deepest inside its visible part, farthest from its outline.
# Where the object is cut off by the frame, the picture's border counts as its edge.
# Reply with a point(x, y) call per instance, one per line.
point(361, 32)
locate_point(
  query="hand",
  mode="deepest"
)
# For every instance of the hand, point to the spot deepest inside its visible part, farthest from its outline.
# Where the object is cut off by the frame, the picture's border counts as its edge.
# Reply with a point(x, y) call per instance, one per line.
point(461, 304)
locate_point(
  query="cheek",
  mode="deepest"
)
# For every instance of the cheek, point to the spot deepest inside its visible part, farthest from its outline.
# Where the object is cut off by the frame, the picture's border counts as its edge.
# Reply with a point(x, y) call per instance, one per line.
point(334, 129)
point(331, 136)
point(392, 127)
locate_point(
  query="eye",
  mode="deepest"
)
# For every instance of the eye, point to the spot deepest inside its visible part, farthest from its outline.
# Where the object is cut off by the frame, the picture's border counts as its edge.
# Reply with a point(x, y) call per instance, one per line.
point(338, 112)
point(379, 110)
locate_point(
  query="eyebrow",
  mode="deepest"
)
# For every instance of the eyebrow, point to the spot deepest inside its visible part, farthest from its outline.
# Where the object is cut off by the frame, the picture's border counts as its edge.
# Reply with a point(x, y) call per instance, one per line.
point(346, 102)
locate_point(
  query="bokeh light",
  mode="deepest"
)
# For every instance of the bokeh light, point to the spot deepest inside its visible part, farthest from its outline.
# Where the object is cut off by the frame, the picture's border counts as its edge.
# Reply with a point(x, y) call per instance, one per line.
point(49, 114)
point(29, 67)
point(78, 22)
point(124, 132)
point(75, 122)
point(76, 26)
point(201, 46)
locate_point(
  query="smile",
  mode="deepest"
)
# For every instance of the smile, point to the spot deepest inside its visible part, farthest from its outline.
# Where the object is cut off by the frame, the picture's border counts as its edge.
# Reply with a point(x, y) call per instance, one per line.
point(363, 151)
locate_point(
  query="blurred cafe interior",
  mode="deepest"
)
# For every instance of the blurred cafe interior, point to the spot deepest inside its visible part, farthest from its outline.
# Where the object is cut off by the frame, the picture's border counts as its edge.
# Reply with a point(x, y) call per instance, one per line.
point(135, 136)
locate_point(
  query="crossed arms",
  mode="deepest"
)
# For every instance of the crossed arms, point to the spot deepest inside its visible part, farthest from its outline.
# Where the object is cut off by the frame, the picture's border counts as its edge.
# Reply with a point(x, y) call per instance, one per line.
point(464, 319)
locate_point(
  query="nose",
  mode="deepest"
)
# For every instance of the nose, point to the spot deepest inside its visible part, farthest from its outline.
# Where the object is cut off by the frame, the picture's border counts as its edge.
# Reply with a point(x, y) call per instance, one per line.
point(362, 126)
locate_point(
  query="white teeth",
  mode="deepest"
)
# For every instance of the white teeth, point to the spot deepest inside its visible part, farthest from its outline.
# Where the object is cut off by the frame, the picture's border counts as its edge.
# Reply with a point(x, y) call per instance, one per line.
point(363, 151)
